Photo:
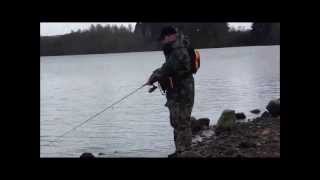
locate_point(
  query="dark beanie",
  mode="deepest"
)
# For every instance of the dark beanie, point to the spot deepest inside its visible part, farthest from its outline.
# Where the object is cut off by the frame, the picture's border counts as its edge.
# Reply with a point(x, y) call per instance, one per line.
point(168, 30)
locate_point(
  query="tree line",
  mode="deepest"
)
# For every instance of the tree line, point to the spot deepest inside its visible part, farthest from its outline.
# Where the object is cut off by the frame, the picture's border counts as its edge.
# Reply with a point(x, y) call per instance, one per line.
point(113, 39)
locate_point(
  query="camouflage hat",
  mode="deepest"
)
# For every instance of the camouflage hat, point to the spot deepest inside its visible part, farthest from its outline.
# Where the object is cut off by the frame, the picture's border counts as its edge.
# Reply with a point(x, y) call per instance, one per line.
point(168, 30)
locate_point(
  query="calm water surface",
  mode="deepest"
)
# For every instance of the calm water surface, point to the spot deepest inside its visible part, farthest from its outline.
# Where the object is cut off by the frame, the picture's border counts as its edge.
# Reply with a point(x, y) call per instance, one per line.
point(75, 87)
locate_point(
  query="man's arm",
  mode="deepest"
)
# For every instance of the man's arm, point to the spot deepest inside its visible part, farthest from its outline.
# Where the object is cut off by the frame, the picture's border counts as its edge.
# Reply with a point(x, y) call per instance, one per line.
point(178, 64)
point(164, 71)
point(183, 62)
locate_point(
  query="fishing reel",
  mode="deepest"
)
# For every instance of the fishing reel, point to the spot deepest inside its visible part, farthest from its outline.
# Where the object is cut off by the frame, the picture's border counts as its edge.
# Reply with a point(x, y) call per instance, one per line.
point(155, 87)
point(152, 88)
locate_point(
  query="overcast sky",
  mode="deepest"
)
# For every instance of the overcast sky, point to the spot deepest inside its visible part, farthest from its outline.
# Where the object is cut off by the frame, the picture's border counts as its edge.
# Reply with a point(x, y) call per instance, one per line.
point(49, 29)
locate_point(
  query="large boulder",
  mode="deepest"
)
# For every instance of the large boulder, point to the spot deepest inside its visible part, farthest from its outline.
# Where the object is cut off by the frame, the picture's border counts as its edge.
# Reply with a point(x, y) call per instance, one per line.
point(274, 107)
point(227, 119)
point(266, 114)
point(203, 123)
point(200, 124)
point(240, 115)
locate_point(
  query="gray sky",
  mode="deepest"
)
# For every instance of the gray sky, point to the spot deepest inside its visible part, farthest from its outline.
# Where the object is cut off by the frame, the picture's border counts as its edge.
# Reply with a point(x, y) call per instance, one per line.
point(49, 29)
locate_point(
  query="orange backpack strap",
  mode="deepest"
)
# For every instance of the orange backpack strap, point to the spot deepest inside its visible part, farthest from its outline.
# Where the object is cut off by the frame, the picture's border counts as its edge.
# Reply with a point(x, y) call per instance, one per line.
point(171, 83)
point(197, 59)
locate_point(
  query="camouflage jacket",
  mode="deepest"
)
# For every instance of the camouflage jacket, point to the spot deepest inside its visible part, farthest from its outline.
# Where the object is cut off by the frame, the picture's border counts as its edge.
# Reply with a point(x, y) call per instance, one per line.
point(177, 66)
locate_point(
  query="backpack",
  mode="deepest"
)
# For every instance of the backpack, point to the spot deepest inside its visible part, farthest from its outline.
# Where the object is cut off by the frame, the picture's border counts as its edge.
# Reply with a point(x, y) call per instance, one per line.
point(195, 59)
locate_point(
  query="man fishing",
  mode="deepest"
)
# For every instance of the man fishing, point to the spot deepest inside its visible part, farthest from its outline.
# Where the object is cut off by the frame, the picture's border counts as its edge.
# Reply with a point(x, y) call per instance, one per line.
point(176, 80)
point(175, 77)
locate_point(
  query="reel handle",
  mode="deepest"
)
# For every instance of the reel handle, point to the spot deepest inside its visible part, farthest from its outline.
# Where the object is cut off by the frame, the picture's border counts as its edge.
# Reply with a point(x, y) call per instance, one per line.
point(152, 88)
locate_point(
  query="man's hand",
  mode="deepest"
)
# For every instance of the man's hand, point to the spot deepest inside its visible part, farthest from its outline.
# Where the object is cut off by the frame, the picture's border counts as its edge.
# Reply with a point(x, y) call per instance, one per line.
point(153, 78)
point(152, 89)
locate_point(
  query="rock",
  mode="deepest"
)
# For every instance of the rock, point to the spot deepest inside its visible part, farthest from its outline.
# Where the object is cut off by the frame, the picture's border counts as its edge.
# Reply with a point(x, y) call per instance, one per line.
point(101, 154)
point(266, 114)
point(204, 122)
point(276, 139)
point(266, 132)
point(196, 139)
point(200, 124)
point(230, 152)
point(246, 144)
point(255, 111)
point(207, 133)
point(240, 115)
point(227, 119)
point(87, 155)
point(240, 155)
point(274, 107)
point(189, 154)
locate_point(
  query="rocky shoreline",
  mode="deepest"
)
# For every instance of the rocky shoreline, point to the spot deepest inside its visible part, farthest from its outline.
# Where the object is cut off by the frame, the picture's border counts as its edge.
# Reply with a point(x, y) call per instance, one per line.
point(233, 138)
point(230, 137)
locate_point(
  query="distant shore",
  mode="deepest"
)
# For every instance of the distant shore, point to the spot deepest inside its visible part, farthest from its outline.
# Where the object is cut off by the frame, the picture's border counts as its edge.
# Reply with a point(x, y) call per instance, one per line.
point(79, 54)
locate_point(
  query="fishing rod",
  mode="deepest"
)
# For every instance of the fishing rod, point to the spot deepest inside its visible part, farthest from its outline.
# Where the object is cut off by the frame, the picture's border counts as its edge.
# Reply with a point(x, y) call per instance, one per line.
point(97, 114)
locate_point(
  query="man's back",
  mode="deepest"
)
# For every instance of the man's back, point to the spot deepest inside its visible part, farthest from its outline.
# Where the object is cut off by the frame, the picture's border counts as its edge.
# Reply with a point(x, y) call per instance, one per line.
point(179, 60)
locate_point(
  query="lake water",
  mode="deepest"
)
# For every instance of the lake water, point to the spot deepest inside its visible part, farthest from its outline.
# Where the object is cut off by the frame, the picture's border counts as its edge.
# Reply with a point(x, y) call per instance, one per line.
point(73, 88)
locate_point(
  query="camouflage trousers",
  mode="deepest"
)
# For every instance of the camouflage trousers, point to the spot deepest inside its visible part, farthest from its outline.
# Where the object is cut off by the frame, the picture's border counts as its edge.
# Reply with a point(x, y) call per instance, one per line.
point(180, 120)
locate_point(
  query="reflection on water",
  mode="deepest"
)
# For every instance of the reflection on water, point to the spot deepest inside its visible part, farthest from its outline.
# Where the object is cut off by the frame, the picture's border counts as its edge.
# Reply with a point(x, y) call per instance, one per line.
point(75, 87)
